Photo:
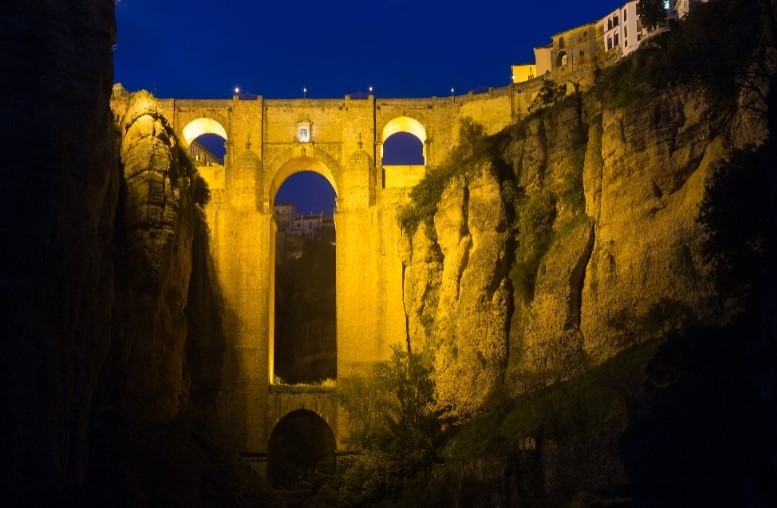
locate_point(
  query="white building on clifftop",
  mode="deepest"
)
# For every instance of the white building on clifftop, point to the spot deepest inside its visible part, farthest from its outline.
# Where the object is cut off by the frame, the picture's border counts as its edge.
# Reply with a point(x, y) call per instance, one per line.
point(620, 29)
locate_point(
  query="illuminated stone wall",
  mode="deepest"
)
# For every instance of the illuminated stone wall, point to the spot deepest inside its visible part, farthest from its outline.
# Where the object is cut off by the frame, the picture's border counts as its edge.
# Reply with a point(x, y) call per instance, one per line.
point(265, 145)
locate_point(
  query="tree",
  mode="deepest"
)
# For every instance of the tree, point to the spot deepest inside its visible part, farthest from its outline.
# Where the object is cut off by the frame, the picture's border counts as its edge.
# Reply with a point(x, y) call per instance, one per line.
point(652, 13)
point(551, 92)
point(393, 424)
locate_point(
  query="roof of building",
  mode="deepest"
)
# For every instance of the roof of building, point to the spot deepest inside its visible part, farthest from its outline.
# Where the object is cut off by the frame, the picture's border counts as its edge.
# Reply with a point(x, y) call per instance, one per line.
point(585, 25)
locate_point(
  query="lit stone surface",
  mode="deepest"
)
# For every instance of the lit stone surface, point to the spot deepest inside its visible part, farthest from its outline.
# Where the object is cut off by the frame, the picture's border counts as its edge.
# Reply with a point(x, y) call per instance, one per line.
point(345, 145)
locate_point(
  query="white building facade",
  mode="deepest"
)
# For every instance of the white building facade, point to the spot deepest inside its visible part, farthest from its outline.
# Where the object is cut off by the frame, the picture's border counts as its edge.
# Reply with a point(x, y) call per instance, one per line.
point(621, 29)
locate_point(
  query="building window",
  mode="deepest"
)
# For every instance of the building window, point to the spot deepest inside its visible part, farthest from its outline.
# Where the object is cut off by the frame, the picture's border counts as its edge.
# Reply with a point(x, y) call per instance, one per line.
point(609, 23)
point(615, 40)
point(582, 53)
point(560, 43)
point(625, 31)
point(609, 43)
point(624, 15)
point(303, 132)
point(615, 21)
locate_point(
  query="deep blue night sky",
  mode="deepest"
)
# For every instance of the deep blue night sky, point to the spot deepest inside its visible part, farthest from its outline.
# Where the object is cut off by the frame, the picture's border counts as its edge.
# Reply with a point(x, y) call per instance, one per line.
point(403, 48)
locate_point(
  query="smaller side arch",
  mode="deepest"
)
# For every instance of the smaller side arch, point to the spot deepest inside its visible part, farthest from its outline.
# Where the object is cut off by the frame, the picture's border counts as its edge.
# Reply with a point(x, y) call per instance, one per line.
point(403, 124)
point(200, 126)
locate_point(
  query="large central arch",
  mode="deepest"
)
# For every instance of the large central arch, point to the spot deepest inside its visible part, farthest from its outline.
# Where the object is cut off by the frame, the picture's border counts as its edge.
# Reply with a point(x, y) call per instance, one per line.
point(292, 162)
point(297, 165)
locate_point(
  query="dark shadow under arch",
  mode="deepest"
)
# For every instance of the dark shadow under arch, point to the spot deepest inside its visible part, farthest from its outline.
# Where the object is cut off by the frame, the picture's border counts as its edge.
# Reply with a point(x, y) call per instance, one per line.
point(302, 451)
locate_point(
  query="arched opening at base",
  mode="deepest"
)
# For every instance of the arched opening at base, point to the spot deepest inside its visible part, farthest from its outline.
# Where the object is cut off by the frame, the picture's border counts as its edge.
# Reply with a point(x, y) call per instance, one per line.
point(302, 451)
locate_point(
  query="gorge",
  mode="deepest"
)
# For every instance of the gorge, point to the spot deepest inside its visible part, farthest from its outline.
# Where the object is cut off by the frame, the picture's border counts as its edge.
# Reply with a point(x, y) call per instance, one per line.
point(585, 275)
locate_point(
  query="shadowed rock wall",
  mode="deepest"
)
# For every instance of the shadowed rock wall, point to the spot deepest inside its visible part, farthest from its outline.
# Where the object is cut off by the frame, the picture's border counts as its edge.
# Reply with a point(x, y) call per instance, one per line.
point(58, 200)
point(95, 277)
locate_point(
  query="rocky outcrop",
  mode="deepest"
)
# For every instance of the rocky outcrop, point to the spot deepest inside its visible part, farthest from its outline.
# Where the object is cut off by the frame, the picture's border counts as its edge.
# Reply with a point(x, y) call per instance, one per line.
point(609, 248)
point(422, 282)
point(158, 228)
point(459, 308)
point(646, 274)
point(552, 343)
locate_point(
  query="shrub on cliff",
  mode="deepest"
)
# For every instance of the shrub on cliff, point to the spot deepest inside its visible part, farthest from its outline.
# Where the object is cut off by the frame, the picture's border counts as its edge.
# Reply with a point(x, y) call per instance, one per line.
point(739, 232)
point(473, 146)
point(534, 225)
point(708, 48)
point(651, 13)
point(393, 425)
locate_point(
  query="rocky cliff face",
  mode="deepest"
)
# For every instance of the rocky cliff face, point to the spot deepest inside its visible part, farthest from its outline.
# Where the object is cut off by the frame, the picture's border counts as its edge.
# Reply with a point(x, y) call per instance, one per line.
point(605, 249)
point(101, 218)
point(158, 225)
point(457, 290)
point(58, 200)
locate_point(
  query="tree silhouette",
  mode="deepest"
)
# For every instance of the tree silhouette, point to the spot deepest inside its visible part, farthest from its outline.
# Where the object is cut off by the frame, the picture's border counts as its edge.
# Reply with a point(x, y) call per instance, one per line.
point(651, 13)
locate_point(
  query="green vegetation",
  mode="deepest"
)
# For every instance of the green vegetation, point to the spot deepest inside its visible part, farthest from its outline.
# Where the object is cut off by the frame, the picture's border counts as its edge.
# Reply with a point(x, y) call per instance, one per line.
point(738, 229)
point(473, 147)
point(651, 13)
point(571, 412)
point(398, 432)
point(534, 224)
point(326, 386)
point(707, 48)
point(551, 92)
point(572, 192)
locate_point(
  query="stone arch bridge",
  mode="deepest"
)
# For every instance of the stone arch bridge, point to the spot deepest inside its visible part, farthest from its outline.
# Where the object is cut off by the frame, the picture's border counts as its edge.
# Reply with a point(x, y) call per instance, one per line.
point(342, 139)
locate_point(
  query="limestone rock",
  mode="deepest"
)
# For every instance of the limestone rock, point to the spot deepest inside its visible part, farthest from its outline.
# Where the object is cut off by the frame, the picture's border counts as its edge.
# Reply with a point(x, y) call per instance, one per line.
point(646, 271)
point(551, 348)
point(450, 223)
point(422, 282)
point(159, 223)
point(624, 261)
point(473, 314)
